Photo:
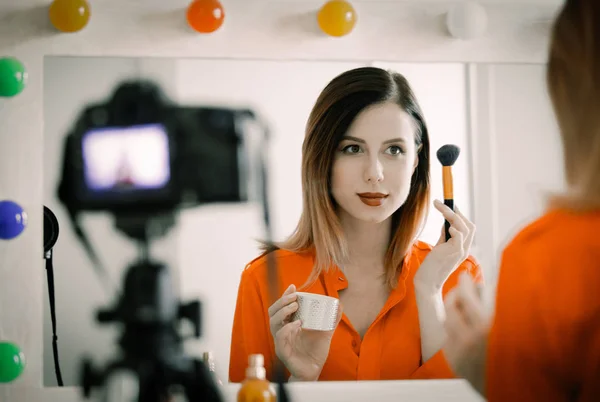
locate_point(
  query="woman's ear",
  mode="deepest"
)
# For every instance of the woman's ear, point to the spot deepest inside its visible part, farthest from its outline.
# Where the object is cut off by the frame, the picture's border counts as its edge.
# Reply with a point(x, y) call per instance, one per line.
point(417, 158)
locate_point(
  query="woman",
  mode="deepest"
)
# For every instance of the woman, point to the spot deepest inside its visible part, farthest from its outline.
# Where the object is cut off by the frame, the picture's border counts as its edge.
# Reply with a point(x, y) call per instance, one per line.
point(544, 342)
point(365, 176)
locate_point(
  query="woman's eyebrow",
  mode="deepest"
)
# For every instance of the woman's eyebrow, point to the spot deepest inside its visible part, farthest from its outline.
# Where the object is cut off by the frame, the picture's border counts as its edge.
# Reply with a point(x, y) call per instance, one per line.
point(350, 138)
point(361, 141)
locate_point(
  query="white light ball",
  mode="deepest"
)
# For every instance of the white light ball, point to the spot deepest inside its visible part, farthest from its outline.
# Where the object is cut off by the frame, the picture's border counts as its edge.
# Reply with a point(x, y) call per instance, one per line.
point(467, 20)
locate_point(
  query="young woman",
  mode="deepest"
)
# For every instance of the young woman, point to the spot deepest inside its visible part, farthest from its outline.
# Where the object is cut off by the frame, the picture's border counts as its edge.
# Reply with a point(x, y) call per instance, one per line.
point(365, 176)
point(544, 342)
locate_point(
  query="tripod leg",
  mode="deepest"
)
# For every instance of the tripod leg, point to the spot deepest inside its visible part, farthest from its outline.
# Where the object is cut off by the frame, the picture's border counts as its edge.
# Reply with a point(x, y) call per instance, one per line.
point(153, 391)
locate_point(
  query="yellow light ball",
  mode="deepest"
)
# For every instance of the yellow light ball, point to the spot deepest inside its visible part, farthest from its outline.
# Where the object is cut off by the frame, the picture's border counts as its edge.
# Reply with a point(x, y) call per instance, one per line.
point(69, 15)
point(337, 18)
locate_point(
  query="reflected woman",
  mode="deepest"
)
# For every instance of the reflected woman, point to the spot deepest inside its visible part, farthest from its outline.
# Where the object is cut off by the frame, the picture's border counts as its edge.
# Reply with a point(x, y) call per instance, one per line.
point(366, 186)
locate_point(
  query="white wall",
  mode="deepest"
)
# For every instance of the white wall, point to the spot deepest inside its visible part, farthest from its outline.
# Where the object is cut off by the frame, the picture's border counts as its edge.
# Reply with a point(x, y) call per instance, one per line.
point(406, 31)
point(518, 161)
point(527, 146)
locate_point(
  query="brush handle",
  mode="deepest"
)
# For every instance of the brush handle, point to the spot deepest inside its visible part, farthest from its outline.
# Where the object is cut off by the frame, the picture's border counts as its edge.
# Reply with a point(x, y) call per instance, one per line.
point(450, 204)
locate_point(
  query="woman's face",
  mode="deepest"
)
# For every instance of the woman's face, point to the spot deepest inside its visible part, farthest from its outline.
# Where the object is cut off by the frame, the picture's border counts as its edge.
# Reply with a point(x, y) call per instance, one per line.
point(374, 163)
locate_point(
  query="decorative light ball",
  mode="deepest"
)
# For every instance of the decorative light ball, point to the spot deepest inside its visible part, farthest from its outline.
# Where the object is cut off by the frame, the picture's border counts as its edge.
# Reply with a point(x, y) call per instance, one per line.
point(13, 77)
point(467, 20)
point(13, 220)
point(69, 15)
point(205, 16)
point(337, 18)
point(12, 362)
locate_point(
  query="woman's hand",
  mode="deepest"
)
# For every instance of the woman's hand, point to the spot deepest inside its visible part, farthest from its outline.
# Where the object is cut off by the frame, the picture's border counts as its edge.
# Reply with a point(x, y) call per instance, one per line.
point(303, 351)
point(467, 327)
point(446, 256)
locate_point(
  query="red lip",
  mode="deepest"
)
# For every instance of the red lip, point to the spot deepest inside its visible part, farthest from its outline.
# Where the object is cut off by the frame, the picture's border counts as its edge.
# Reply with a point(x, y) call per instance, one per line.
point(372, 199)
point(372, 195)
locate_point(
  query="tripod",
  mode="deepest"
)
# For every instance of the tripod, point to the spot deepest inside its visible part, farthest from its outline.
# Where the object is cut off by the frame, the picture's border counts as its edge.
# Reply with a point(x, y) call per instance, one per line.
point(151, 346)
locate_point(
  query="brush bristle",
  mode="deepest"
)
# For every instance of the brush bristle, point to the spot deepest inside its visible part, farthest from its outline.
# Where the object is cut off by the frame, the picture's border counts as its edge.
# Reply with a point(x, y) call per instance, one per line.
point(448, 154)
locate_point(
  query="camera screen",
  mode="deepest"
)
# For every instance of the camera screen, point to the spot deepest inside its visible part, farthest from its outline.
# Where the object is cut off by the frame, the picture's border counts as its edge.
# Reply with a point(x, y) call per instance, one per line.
point(126, 159)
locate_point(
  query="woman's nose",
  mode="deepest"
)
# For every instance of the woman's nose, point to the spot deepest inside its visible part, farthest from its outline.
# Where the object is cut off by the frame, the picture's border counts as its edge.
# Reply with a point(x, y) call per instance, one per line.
point(374, 171)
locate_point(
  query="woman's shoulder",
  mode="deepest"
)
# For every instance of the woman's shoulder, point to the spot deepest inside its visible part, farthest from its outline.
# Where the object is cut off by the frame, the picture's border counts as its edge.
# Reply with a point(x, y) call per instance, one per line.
point(555, 262)
point(287, 263)
point(558, 231)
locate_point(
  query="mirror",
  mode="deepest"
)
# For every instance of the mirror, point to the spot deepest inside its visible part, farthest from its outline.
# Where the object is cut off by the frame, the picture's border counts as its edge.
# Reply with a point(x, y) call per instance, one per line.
point(209, 246)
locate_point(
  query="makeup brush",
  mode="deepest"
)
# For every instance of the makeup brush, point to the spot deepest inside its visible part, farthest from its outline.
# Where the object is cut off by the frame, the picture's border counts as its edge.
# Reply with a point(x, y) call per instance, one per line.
point(447, 155)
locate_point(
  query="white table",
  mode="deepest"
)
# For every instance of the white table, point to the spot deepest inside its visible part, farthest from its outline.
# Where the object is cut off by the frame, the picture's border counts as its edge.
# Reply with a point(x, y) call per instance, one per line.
point(371, 391)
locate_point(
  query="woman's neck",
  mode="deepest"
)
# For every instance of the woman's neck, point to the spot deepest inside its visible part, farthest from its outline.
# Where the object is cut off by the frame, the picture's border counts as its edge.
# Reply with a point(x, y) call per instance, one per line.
point(367, 243)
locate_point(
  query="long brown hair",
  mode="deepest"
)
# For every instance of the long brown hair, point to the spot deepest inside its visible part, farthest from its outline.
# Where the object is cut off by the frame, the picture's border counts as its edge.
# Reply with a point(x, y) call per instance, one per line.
point(319, 229)
point(573, 79)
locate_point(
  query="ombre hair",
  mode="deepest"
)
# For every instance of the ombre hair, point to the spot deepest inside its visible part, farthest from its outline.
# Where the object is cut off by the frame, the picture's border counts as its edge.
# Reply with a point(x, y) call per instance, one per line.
point(319, 230)
point(573, 80)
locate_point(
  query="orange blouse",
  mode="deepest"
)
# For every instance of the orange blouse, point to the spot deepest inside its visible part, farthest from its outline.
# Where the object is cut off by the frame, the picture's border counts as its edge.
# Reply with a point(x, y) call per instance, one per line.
point(391, 347)
point(544, 343)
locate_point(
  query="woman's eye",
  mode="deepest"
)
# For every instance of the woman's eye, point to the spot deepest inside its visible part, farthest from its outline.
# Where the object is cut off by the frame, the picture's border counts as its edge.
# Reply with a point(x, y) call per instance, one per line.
point(351, 149)
point(395, 150)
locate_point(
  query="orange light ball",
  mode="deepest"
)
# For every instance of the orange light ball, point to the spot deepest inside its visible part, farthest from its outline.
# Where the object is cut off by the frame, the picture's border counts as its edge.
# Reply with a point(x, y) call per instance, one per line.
point(69, 15)
point(205, 16)
point(337, 18)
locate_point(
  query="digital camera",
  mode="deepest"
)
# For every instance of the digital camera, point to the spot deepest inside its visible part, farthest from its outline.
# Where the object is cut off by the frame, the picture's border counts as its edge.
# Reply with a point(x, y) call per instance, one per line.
point(140, 152)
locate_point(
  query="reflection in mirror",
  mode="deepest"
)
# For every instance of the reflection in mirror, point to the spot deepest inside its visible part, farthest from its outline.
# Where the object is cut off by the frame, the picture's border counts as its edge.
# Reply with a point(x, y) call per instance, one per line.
point(209, 245)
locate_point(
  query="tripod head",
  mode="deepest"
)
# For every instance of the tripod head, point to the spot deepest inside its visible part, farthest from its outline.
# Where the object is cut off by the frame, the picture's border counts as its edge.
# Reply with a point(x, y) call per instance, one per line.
point(149, 312)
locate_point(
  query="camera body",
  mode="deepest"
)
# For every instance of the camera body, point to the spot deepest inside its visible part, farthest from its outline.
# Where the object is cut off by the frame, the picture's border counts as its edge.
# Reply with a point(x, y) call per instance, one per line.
point(139, 152)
